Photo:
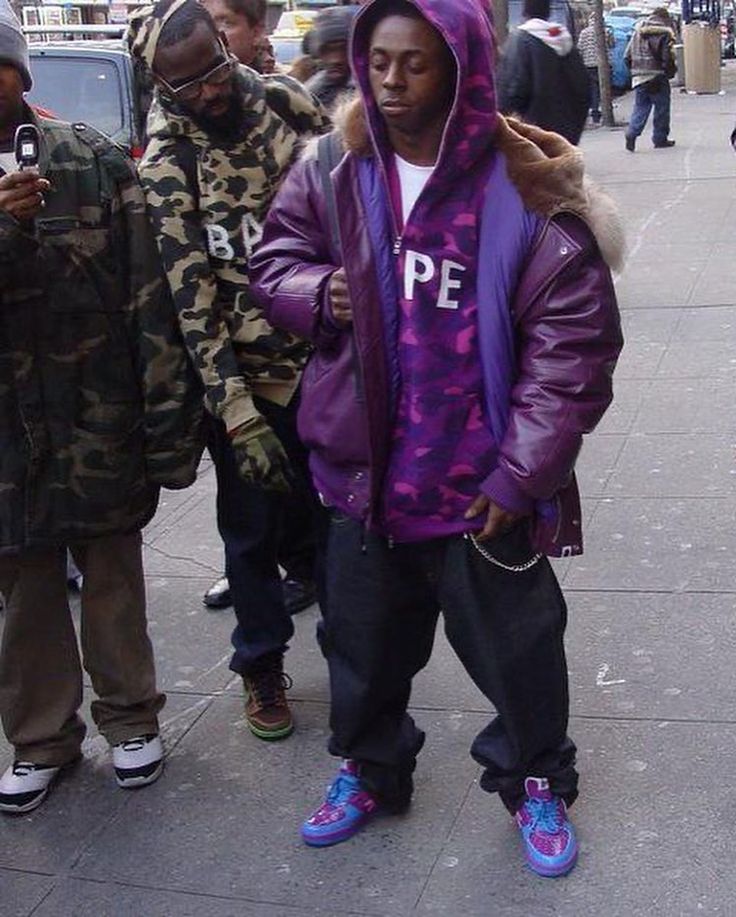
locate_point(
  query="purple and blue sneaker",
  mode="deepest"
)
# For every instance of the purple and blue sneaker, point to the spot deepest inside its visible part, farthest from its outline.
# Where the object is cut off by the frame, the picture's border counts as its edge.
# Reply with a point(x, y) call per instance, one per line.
point(550, 844)
point(345, 810)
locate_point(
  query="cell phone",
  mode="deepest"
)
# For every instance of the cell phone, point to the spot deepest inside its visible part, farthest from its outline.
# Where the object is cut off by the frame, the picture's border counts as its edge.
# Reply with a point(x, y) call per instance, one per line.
point(27, 146)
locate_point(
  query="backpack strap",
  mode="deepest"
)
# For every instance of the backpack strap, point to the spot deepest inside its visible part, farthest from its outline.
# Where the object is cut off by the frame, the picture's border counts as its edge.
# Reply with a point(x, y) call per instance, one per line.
point(329, 154)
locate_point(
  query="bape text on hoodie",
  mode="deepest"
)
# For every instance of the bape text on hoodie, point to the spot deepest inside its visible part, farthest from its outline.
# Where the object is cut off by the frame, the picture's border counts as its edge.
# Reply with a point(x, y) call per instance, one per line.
point(542, 79)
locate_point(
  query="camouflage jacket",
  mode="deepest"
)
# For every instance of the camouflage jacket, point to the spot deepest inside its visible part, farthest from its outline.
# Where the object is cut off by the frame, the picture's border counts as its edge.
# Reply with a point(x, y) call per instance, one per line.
point(98, 404)
point(207, 199)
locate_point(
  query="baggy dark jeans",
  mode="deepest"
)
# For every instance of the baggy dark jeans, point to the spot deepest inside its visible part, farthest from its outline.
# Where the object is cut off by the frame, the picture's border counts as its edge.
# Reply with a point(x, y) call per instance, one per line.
point(656, 93)
point(506, 627)
point(250, 521)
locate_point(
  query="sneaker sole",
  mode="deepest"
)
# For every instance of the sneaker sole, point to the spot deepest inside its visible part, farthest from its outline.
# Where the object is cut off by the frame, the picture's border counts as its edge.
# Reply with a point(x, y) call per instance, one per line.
point(553, 872)
point(29, 806)
point(271, 735)
point(134, 783)
point(7, 809)
point(329, 839)
point(217, 604)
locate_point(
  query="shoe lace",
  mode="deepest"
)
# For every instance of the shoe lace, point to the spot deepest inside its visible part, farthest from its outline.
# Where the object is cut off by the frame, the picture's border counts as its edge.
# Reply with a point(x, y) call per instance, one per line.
point(547, 815)
point(267, 686)
point(133, 744)
point(341, 788)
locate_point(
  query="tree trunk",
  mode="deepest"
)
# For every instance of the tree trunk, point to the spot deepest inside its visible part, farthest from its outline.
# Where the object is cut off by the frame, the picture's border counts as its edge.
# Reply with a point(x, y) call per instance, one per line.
point(604, 69)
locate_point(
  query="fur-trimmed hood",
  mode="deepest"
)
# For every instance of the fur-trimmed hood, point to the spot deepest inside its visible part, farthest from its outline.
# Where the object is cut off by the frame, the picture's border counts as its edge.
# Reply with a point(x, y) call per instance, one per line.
point(547, 171)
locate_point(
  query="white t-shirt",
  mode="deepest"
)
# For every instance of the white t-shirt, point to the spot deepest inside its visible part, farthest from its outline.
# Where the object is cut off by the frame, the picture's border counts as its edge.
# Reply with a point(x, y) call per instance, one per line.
point(412, 180)
point(8, 162)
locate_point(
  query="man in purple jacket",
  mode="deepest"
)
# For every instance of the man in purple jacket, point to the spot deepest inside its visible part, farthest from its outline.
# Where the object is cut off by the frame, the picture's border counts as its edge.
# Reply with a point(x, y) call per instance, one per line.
point(465, 331)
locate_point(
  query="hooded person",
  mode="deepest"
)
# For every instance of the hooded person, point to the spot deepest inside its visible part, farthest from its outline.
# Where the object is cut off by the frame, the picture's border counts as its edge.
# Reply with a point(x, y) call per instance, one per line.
point(441, 260)
point(329, 41)
point(222, 137)
point(541, 75)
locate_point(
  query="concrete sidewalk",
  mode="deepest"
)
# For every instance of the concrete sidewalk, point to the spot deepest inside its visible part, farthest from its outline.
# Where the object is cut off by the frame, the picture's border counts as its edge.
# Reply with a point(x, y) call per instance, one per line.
point(652, 646)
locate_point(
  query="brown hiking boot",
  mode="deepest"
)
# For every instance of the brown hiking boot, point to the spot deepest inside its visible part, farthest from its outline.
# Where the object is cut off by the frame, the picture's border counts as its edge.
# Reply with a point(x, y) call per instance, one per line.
point(266, 707)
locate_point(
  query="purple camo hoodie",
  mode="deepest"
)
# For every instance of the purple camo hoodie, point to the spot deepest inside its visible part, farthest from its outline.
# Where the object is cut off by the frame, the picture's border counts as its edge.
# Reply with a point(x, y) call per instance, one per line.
point(442, 447)
point(535, 335)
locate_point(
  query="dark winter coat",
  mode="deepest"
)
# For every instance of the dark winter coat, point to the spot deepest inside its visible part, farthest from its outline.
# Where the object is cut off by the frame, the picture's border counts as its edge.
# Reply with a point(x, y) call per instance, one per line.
point(98, 404)
point(543, 87)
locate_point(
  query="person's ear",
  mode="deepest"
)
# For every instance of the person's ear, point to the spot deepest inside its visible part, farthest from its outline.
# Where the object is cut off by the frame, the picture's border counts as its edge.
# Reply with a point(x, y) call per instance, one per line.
point(259, 31)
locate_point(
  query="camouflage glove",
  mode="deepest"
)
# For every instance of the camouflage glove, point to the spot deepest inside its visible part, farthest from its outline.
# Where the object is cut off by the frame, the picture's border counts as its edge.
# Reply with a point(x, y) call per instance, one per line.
point(260, 456)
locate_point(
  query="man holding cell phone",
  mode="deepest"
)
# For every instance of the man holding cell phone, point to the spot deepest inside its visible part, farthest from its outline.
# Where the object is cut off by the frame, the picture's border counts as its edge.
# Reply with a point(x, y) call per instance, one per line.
point(98, 410)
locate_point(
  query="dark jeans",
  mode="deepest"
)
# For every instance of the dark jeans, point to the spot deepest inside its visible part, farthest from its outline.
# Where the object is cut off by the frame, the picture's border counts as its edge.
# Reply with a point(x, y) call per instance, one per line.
point(595, 94)
point(506, 627)
point(654, 94)
point(251, 522)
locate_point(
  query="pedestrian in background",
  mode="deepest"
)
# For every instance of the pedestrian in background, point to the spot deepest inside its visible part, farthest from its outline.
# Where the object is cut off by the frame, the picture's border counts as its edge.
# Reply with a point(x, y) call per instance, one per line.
point(588, 48)
point(465, 330)
point(330, 37)
point(222, 138)
point(98, 410)
point(541, 75)
point(243, 22)
point(651, 59)
point(265, 60)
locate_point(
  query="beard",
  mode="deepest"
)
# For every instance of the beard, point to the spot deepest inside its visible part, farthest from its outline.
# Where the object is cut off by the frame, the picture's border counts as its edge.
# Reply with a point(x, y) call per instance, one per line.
point(230, 124)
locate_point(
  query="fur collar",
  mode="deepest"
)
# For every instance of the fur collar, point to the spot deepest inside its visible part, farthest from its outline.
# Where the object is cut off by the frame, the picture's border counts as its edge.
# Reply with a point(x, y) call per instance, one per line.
point(547, 171)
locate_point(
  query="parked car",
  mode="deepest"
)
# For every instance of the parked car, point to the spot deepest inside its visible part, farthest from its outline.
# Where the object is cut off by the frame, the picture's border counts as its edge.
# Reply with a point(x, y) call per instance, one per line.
point(94, 82)
point(290, 30)
point(621, 22)
point(286, 49)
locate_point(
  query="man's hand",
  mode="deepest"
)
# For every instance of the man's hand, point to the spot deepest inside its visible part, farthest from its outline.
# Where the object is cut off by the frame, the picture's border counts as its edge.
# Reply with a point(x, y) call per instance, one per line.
point(21, 194)
point(498, 520)
point(342, 310)
point(260, 456)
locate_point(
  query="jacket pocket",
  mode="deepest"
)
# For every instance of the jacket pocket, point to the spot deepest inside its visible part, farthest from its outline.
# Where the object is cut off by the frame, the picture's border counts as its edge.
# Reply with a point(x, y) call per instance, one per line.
point(83, 267)
point(331, 418)
point(99, 479)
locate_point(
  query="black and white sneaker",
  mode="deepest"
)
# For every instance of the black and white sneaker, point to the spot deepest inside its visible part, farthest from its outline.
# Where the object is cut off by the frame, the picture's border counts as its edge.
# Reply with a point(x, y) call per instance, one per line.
point(24, 786)
point(138, 761)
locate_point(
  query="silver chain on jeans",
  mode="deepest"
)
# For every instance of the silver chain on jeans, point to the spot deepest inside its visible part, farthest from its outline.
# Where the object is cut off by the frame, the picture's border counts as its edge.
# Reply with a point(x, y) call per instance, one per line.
point(510, 568)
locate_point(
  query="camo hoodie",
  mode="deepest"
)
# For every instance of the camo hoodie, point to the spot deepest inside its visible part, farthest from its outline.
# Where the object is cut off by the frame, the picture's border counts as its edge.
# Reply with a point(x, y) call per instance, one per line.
point(207, 199)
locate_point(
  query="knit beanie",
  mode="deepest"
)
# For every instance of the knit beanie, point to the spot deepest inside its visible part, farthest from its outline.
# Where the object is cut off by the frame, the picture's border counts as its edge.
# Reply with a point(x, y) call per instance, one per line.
point(13, 45)
point(333, 24)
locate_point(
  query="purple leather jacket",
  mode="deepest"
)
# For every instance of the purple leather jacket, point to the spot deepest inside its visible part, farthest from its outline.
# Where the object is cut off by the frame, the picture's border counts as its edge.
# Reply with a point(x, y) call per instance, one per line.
point(548, 332)
point(566, 333)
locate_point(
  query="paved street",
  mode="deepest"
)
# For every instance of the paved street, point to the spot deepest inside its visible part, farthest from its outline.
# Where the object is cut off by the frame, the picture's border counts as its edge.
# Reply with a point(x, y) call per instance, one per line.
point(652, 648)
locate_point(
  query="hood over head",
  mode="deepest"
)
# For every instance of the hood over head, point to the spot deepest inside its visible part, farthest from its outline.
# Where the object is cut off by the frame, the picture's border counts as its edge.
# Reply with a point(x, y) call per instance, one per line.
point(332, 24)
point(145, 25)
point(554, 35)
point(465, 27)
